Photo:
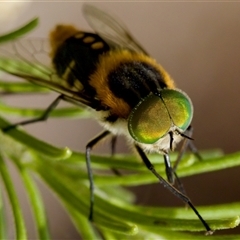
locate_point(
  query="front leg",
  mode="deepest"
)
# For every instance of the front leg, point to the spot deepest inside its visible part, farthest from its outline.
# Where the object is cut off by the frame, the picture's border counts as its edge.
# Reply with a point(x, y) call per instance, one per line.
point(43, 117)
point(89, 147)
point(171, 188)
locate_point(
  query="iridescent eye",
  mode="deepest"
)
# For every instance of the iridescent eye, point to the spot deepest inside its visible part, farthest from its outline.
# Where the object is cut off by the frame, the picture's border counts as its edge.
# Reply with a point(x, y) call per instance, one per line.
point(153, 117)
point(179, 106)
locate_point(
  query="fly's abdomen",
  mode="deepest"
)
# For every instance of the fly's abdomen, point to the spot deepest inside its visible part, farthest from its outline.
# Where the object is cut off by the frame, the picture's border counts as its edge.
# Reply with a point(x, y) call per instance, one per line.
point(75, 55)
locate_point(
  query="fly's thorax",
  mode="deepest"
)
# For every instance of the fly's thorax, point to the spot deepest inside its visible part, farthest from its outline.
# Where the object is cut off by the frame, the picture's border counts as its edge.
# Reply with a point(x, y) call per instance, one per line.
point(122, 78)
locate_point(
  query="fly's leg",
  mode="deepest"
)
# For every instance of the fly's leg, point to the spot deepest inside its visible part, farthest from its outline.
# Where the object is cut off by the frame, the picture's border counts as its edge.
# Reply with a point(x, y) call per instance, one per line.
point(171, 174)
point(168, 169)
point(171, 171)
point(113, 144)
point(171, 188)
point(184, 147)
point(113, 148)
point(187, 143)
point(194, 150)
point(89, 147)
point(43, 117)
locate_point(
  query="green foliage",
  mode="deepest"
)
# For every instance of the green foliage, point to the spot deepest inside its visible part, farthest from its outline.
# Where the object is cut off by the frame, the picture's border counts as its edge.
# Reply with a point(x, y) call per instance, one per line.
point(114, 216)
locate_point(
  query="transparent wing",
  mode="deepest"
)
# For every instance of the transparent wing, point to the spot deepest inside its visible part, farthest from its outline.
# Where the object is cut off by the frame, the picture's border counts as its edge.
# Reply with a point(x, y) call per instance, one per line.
point(29, 59)
point(110, 29)
point(26, 56)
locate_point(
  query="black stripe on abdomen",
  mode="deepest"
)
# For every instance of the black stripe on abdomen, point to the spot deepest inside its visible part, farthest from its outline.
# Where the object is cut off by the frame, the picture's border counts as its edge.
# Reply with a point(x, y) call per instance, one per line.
point(76, 58)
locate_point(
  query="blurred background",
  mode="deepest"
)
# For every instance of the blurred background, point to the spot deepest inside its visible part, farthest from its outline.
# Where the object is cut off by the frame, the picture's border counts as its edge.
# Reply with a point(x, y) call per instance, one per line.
point(198, 44)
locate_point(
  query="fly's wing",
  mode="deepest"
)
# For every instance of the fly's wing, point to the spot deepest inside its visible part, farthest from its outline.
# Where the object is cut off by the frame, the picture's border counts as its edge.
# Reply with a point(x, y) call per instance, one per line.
point(111, 30)
point(29, 59)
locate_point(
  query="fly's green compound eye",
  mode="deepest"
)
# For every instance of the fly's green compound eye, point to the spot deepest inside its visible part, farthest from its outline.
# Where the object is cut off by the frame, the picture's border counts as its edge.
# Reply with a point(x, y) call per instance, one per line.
point(179, 107)
point(153, 117)
point(149, 120)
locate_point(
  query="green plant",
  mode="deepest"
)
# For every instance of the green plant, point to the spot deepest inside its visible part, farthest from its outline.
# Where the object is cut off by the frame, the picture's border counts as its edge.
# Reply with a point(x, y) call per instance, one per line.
point(114, 217)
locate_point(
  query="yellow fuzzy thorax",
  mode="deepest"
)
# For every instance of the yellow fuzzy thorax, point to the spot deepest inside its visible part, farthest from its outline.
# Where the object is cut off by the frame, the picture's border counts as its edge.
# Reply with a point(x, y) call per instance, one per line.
point(109, 62)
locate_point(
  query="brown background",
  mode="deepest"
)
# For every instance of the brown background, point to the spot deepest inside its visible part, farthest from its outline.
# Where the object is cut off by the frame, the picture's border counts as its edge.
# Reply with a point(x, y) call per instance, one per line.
point(199, 45)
